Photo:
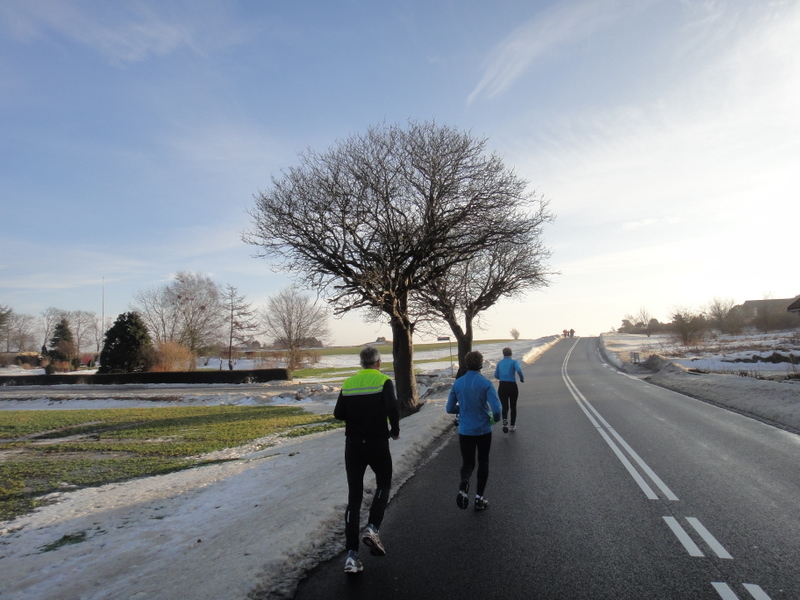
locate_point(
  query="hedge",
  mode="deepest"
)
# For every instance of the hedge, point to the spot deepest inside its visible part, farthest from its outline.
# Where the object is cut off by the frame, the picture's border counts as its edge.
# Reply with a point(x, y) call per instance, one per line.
point(205, 377)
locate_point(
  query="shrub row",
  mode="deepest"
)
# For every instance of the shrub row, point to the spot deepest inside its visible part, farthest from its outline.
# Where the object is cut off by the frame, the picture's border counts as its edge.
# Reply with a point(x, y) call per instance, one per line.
point(204, 377)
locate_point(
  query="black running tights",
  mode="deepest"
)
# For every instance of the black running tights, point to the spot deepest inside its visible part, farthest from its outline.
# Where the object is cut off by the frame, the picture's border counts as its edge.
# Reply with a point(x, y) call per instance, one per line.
point(469, 445)
point(508, 391)
point(358, 455)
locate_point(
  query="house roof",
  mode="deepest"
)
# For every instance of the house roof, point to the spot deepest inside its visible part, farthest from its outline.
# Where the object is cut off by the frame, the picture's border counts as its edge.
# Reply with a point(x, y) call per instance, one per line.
point(794, 306)
point(769, 304)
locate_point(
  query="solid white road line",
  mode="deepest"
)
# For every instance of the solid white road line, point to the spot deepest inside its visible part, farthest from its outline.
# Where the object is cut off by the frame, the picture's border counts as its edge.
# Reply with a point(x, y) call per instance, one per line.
point(599, 422)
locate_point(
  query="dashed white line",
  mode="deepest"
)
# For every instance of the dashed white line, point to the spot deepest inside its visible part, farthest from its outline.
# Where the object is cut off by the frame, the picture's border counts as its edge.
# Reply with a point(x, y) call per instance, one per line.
point(756, 591)
point(683, 537)
point(708, 538)
point(726, 593)
point(687, 542)
point(724, 590)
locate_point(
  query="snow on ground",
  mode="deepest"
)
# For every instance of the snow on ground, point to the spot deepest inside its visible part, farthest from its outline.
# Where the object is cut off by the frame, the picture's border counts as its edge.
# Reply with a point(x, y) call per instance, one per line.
point(253, 526)
point(245, 528)
point(710, 372)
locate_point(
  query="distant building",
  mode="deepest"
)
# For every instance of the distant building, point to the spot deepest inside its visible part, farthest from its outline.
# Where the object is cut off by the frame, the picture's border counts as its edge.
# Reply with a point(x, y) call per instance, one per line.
point(757, 308)
point(772, 314)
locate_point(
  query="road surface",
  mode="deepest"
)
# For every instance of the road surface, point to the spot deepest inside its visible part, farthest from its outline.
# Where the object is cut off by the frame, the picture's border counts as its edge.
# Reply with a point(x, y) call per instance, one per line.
point(610, 489)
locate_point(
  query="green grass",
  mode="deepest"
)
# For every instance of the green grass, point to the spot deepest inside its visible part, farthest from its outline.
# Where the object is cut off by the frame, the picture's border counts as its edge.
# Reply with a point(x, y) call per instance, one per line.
point(46, 451)
point(49, 451)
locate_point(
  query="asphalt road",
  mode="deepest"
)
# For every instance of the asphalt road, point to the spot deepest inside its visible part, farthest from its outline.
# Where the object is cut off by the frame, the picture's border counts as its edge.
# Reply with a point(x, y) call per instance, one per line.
point(610, 489)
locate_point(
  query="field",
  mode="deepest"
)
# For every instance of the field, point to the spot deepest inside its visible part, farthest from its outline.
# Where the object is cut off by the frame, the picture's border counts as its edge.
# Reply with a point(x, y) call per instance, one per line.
point(43, 452)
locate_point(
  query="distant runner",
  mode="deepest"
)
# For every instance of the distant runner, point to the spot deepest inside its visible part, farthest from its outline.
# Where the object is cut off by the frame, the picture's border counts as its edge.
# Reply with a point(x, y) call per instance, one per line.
point(506, 372)
point(474, 399)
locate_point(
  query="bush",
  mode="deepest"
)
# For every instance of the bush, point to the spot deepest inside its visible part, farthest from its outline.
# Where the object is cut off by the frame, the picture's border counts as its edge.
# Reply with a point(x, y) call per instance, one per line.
point(171, 356)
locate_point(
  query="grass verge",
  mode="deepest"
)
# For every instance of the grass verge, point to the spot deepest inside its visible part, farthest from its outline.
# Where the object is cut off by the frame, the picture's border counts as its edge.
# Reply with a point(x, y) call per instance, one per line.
point(42, 452)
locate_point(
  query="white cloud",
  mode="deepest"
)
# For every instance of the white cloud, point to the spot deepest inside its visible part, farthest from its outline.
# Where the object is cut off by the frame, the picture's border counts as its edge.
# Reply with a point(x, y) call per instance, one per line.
point(541, 36)
point(131, 35)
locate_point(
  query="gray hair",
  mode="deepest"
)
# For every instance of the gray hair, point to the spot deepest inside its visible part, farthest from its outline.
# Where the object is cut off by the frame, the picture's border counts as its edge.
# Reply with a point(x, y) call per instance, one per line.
point(369, 355)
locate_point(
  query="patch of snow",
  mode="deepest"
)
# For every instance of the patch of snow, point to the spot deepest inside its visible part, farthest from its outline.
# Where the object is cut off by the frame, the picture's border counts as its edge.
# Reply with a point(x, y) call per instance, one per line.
point(259, 522)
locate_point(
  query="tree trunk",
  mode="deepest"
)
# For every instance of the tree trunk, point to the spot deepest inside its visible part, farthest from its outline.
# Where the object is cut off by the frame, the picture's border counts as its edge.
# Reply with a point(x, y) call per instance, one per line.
point(464, 339)
point(404, 379)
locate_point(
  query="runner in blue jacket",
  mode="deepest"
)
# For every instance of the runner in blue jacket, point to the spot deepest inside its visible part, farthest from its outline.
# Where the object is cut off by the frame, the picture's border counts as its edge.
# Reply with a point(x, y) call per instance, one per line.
point(506, 372)
point(474, 399)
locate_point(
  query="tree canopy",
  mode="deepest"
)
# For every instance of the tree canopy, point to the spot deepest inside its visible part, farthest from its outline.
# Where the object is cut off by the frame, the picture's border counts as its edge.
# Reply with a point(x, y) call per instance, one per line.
point(383, 215)
point(62, 344)
point(189, 310)
point(127, 347)
point(292, 320)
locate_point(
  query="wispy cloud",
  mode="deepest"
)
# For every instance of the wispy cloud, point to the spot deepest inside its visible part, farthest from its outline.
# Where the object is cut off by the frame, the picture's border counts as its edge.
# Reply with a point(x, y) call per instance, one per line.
point(120, 37)
point(539, 37)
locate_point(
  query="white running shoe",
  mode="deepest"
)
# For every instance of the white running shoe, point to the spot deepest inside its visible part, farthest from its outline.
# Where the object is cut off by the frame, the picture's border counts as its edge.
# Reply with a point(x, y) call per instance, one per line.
point(373, 541)
point(513, 428)
point(352, 564)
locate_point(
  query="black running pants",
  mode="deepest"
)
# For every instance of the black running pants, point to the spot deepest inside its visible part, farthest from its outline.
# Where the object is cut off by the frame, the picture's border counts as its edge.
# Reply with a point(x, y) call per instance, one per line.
point(508, 391)
point(358, 455)
point(470, 444)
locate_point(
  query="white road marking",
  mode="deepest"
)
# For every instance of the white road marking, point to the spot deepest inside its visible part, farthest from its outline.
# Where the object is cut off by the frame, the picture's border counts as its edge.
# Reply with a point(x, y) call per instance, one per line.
point(683, 537)
point(708, 538)
point(726, 593)
point(599, 422)
point(756, 591)
point(724, 590)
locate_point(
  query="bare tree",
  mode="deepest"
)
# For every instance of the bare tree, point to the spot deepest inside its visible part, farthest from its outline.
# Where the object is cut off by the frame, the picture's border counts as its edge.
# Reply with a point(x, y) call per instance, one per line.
point(514, 333)
point(504, 270)
point(688, 325)
point(293, 318)
point(188, 311)
point(81, 322)
point(644, 320)
point(50, 318)
point(160, 314)
point(240, 320)
point(720, 314)
point(98, 331)
point(381, 216)
point(20, 333)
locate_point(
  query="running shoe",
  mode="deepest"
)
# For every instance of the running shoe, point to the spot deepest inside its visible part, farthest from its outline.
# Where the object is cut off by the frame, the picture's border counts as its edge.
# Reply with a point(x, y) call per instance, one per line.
point(505, 425)
point(351, 564)
point(373, 541)
point(462, 499)
point(481, 503)
point(513, 428)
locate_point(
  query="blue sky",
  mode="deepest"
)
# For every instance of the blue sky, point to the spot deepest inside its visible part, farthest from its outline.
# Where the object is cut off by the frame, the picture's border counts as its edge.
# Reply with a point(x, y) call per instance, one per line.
point(665, 134)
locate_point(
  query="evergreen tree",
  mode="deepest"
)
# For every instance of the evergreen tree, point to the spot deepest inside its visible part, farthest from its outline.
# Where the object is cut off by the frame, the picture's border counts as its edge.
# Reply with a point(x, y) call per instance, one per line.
point(127, 347)
point(62, 344)
point(5, 315)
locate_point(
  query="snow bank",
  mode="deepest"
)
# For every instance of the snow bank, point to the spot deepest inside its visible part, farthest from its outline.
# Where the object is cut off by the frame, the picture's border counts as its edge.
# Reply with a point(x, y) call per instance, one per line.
point(772, 401)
